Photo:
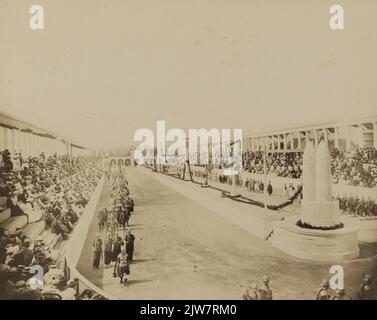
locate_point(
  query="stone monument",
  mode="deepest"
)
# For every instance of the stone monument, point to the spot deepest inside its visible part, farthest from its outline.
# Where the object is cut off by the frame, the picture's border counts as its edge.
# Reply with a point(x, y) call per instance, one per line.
point(318, 233)
point(318, 209)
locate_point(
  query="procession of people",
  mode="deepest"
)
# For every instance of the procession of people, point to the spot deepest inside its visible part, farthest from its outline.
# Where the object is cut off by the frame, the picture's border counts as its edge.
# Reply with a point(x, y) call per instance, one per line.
point(114, 243)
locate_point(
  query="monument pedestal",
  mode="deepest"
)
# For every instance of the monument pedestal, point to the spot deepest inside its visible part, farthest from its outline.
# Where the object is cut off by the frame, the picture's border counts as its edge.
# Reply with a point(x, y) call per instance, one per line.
point(320, 214)
point(311, 244)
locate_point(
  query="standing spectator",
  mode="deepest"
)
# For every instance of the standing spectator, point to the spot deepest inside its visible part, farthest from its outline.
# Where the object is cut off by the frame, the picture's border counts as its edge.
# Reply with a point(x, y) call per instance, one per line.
point(108, 250)
point(130, 239)
point(97, 251)
point(269, 188)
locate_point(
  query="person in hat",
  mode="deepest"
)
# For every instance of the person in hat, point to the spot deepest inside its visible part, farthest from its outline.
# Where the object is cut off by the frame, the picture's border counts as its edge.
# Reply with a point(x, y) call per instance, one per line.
point(102, 218)
point(121, 216)
point(70, 292)
point(108, 250)
point(269, 188)
point(130, 240)
point(264, 291)
point(25, 255)
point(97, 251)
point(341, 295)
point(129, 204)
point(366, 289)
point(122, 266)
point(117, 247)
point(323, 293)
point(251, 293)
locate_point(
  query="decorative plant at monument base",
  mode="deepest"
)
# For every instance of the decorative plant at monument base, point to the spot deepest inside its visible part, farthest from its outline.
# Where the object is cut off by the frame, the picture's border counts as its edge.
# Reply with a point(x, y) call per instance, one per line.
point(309, 226)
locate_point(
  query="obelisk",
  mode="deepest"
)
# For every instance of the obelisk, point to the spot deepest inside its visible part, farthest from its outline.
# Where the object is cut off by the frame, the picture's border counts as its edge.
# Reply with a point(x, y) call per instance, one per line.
point(318, 209)
point(308, 181)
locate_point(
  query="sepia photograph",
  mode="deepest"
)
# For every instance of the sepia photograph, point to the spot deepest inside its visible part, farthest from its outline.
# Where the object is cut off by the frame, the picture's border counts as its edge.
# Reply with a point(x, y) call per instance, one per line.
point(188, 155)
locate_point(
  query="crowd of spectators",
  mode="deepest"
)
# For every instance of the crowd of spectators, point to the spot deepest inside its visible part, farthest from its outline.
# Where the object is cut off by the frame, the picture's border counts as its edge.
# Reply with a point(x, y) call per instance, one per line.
point(284, 164)
point(355, 168)
point(358, 207)
point(51, 191)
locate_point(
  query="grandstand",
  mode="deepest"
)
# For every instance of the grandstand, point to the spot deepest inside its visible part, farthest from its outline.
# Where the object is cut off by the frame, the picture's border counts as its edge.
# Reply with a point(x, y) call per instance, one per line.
point(21, 137)
point(342, 135)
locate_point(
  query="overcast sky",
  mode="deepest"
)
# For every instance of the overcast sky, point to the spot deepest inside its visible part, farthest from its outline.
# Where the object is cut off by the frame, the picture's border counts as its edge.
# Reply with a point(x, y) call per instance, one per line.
point(102, 69)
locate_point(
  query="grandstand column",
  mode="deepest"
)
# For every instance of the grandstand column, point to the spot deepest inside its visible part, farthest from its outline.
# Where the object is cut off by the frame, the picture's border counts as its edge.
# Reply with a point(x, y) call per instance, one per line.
point(348, 138)
point(29, 147)
point(31, 153)
point(291, 141)
point(285, 141)
point(6, 138)
point(265, 142)
point(36, 145)
point(299, 140)
point(55, 146)
point(10, 141)
point(325, 136)
point(44, 145)
point(36, 138)
point(336, 137)
point(2, 138)
point(33, 145)
point(59, 147)
point(375, 135)
point(25, 144)
point(15, 140)
point(361, 136)
point(21, 142)
point(278, 138)
point(40, 146)
point(29, 144)
point(316, 137)
point(50, 146)
point(47, 146)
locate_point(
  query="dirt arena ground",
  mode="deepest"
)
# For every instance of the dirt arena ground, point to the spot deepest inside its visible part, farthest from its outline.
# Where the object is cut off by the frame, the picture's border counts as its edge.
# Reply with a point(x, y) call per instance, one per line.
point(184, 250)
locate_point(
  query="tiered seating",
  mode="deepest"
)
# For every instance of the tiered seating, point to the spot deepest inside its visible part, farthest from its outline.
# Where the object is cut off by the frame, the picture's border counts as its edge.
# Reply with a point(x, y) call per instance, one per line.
point(46, 198)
